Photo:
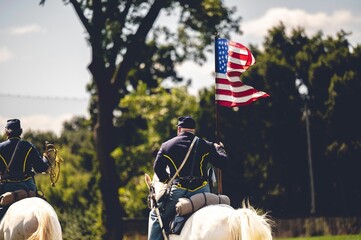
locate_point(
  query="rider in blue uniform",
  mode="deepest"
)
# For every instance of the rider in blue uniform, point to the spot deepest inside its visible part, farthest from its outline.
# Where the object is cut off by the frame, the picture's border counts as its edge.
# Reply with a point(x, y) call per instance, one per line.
point(18, 159)
point(192, 178)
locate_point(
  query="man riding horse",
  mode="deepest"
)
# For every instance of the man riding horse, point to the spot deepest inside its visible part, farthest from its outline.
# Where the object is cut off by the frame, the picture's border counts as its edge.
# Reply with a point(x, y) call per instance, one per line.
point(186, 157)
point(18, 159)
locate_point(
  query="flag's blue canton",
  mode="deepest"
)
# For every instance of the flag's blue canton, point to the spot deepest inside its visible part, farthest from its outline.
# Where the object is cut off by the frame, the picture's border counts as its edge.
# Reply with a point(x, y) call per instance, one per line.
point(222, 54)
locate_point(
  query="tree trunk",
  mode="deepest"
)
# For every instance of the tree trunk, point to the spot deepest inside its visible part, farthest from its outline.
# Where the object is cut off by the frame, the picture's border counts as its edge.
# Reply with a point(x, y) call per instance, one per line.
point(109, 181)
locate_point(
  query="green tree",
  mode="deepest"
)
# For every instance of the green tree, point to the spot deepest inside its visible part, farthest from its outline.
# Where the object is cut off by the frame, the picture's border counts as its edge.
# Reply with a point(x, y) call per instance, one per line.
point(77, 135)
point(158, 109)
point(266, 141)
point(336, 80)
point(325, 64)
point(38, 138)
point(75, 196)
point(127, 48)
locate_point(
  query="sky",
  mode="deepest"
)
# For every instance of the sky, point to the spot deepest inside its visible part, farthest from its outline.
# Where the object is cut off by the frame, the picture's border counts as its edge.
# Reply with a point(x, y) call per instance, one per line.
point(44, 54)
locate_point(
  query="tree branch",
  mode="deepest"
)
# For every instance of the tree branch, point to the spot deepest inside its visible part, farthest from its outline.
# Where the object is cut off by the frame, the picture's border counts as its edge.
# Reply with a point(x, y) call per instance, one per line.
point(81, 16)
point(117, 40)
point(136, 42)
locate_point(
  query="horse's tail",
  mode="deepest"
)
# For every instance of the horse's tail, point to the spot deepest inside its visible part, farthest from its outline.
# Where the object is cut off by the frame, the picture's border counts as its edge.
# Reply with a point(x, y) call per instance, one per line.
point(48, 225)
point(247, 224)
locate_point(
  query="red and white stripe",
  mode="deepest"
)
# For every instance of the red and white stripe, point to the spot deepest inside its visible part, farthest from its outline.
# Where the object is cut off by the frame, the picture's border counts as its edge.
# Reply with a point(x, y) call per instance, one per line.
point(230, 91)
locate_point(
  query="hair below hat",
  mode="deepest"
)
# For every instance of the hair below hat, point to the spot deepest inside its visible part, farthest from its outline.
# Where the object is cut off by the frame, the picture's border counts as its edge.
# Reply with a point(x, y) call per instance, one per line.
point(186, 122)
point(13, 125)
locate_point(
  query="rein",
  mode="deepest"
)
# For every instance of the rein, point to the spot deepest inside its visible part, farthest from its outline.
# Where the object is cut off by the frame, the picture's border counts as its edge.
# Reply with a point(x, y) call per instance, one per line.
point(51, 153)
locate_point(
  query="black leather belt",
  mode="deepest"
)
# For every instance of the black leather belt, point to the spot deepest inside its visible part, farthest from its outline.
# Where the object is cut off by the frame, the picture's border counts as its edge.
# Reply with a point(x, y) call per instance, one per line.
point(191, 178)
point(7, 178)
point(190, 182)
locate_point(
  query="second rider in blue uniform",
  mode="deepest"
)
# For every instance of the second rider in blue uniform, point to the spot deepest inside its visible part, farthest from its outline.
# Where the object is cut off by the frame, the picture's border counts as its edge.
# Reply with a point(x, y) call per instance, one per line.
point(192, 178)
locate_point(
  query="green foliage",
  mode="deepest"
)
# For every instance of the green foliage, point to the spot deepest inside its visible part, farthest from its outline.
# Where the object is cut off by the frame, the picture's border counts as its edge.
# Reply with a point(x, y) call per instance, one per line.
point(128, 46)
point(74, 197)
point(159, 109)
point(38, 138)
point(78, 136)
point(268, 145)
point(64, 194)
point(266, 141)
point(134, 197)
point(78, 224)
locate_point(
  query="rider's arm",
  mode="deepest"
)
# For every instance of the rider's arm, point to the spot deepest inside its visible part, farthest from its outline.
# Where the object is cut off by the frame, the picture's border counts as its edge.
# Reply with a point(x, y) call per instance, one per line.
point(160, 166)
point(39, 163)
point(218, 155)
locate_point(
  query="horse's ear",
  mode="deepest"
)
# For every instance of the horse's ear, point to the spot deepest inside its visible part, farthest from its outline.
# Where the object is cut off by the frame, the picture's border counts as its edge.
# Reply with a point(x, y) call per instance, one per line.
point(148, 180)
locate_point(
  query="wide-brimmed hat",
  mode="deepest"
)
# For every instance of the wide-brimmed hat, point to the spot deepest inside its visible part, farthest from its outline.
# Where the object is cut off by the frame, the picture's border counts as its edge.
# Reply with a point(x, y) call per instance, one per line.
point(186, 122)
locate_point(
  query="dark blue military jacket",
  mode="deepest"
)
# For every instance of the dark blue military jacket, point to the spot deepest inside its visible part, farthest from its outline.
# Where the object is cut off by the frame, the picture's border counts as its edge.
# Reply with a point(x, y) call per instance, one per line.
point(26, 158)
point(172, 154)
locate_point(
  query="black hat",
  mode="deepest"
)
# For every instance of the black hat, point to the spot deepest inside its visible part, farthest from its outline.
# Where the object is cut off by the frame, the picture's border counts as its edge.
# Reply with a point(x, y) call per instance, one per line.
point(13, 125)
point(186, 122)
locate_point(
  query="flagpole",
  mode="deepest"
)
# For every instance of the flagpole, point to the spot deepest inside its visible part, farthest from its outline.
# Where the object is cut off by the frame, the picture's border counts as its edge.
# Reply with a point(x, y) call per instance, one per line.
point(218, 171)
point(229, 95)
point(215, 70)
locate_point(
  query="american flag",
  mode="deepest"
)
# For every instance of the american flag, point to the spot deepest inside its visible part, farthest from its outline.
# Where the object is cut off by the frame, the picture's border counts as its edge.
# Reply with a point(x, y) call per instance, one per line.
point(232, 59)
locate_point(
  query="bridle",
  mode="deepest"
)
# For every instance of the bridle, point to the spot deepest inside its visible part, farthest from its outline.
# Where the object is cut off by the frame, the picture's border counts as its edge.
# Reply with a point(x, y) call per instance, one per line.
point(51, 153)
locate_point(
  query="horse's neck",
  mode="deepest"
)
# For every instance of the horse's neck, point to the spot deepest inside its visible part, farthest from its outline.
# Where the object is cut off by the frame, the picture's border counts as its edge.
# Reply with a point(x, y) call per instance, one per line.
point(174, 237)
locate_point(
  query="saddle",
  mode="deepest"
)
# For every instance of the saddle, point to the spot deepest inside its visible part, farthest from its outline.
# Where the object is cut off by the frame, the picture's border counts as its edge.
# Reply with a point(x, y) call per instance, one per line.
point(9, 198)
point(187, 206)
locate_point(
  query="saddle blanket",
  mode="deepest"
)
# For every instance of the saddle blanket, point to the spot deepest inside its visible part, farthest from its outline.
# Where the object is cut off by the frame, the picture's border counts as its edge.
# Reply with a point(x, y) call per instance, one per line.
point(189, 205)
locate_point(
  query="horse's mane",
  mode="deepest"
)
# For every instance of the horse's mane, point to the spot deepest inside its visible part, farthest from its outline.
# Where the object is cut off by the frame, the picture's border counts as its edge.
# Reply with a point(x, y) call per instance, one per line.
point(247, 223)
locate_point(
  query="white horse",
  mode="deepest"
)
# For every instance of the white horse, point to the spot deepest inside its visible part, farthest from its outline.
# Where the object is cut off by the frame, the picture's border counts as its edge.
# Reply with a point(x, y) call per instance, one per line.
point(31, 219)
point(222, 222)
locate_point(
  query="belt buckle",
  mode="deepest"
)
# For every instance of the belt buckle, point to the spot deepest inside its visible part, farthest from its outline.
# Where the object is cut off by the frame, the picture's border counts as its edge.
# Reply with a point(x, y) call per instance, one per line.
point(192, 178)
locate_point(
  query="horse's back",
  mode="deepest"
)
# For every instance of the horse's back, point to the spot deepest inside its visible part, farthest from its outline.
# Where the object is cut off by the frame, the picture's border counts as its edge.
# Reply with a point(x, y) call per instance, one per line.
point(30, 218)
point(210, 222)
point(223, 222)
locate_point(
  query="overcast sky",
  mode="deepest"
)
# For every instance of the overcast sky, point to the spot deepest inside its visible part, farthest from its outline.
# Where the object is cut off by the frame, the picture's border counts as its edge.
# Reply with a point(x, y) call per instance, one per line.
point(44, 55)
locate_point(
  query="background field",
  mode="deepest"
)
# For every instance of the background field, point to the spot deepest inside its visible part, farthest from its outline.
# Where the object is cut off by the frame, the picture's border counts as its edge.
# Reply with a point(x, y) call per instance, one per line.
point(343, 237)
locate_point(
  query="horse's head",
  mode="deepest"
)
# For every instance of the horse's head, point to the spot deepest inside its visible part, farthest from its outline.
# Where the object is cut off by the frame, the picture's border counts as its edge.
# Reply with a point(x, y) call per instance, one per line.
point(154, 184)
point(156, 188)
point(149, 183)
